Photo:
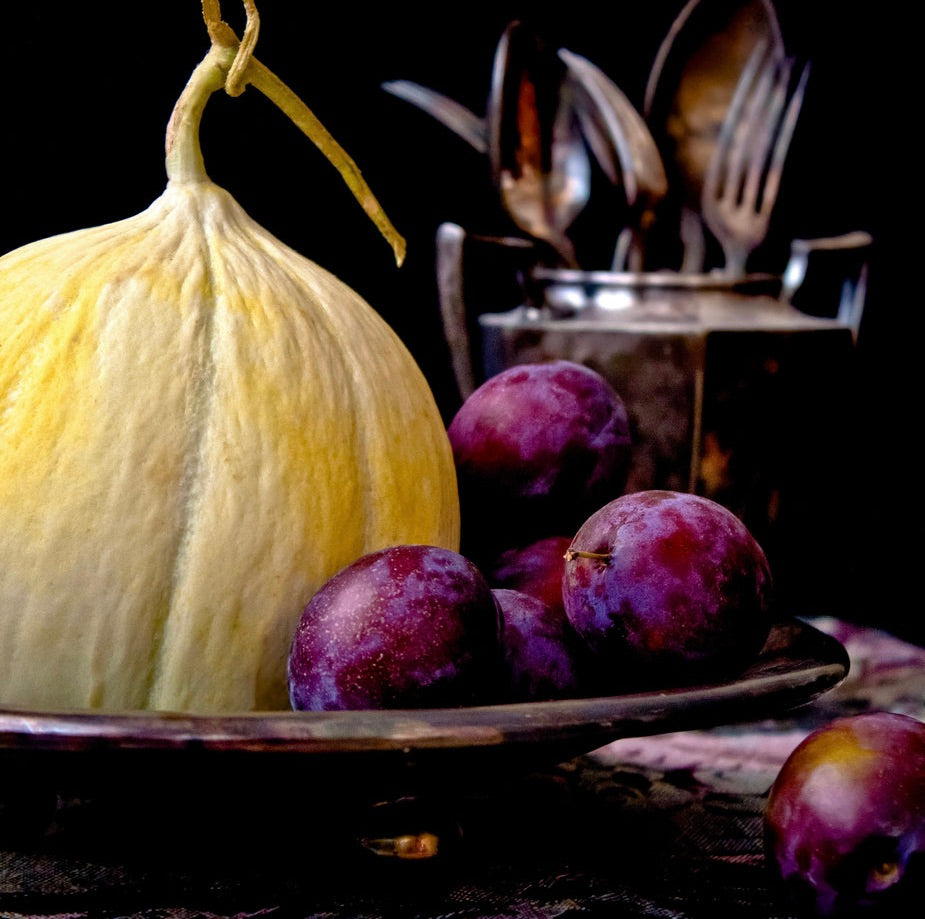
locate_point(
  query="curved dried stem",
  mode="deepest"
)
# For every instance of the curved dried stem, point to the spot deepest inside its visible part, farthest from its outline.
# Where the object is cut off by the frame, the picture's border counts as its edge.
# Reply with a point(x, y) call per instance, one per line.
point(246, 69)
point(235, 82)
point(212, 14)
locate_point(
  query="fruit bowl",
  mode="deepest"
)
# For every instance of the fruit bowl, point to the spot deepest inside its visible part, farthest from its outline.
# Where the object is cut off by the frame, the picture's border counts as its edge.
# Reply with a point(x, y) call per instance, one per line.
point(367, 756)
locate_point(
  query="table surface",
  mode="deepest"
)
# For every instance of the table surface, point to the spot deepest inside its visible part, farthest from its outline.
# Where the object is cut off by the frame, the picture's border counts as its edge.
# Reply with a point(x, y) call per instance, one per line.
point(666, 826)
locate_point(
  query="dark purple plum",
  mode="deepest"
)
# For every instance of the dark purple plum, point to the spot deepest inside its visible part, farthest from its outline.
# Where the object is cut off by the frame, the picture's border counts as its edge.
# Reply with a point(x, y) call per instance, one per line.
point(544, 656)
point(537, 447)
point(410, 626)
point(668, 587)
point(534, 569)
point(845, 818)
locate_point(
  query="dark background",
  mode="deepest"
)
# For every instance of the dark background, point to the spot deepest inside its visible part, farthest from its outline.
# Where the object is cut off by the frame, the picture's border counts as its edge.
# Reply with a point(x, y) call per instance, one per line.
point(88, 89)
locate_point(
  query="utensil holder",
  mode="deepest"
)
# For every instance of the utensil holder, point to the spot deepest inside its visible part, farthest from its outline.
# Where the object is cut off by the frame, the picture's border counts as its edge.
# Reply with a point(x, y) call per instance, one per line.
point(733, 392)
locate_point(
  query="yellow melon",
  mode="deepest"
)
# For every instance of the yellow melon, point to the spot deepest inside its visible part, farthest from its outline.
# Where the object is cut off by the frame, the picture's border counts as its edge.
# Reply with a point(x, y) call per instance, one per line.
point(198, 427)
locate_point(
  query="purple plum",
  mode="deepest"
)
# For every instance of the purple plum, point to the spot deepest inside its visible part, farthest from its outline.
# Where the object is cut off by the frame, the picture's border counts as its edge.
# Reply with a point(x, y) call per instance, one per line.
point(668, 587)
point(534, 569)
point(845, 818)
point(410, 626)
point(537, 448)
point(543, 653)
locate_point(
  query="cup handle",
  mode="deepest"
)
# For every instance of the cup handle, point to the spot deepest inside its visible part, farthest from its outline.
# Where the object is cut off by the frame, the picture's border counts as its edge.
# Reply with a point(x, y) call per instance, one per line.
point(450, 240)
point(461, 255)
point(818, 268)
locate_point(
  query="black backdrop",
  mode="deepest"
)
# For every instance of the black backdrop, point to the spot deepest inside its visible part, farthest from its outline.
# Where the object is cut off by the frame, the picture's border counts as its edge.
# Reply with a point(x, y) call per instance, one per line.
point(87, 89)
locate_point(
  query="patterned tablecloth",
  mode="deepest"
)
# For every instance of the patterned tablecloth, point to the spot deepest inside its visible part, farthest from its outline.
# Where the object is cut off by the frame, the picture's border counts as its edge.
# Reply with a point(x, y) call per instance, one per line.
point(666, 826)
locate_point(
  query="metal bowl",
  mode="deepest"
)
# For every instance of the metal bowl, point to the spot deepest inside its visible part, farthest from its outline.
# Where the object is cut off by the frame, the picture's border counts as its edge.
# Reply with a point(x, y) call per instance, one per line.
point(362, 757)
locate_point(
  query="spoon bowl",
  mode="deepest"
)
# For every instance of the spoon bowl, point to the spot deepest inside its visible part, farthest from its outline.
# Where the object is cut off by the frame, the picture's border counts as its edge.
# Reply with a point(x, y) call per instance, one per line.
point(538, 156)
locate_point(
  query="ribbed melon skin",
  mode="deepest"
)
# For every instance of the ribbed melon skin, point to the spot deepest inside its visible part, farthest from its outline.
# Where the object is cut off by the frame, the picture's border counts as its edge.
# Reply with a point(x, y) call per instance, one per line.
point(198, 427)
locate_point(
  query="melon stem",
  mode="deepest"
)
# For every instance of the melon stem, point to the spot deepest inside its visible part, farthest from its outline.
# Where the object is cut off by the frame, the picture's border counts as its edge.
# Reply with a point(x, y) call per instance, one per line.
point(184, 160)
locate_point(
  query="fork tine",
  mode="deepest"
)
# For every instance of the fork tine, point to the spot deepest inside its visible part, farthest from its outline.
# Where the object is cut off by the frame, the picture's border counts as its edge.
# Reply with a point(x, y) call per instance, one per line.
point(743, 177)
point(782, 144)
point(734, 118)
point(766, 124)
point(753, 134)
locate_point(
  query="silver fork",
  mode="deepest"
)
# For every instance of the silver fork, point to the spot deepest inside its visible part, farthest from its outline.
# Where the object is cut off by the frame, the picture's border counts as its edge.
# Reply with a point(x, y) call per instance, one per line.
point(743, 178)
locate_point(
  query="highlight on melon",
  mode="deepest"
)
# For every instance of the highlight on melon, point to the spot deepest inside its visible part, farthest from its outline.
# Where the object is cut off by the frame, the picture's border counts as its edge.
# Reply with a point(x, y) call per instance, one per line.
point(198, 427)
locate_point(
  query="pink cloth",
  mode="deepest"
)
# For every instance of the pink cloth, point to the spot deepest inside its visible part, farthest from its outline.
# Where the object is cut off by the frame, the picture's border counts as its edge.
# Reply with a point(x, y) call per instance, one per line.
point(885, 674)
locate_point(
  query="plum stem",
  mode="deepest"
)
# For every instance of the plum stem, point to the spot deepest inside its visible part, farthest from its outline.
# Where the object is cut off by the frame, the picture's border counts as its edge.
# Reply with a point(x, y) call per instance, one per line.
point(572, 554)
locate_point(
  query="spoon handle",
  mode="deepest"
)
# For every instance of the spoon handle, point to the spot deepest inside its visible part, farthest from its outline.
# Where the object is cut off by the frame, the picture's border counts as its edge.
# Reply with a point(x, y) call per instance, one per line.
point(450, 113)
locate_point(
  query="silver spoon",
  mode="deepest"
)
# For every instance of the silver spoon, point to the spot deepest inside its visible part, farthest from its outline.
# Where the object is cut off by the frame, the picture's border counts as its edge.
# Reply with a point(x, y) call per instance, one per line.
point(450, 113)
point(539, 160)
point(636, 155)
point(688, 92)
